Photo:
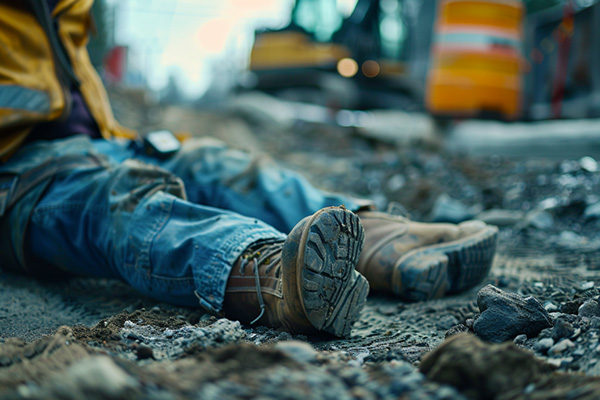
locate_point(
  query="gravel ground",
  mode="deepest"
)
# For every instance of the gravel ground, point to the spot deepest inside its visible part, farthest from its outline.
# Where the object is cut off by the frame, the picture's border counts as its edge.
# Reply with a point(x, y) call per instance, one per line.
point(531, 330)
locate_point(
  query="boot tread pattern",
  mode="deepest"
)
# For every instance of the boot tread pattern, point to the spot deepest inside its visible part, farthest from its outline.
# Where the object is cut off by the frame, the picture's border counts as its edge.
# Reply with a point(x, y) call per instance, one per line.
point(333, 292)
point(471, 263)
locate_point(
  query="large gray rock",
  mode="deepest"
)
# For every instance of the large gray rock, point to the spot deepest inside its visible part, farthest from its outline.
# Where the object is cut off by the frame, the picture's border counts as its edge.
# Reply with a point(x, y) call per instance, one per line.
point(505, 315)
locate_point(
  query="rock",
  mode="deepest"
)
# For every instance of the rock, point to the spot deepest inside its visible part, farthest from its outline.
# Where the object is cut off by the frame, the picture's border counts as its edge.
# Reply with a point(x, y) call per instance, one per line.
point(302, 352)
point(460, 328)
point(447, 209)
point(446, 322)
point(144, 352)
point(481, 370)
point(505, 315)
point(501, 217)
point(594, 323)
point(586, 286)
point(550, 306)
point(561, 346)
point(592, 211)
point(589, 309)
point(588, 164)
point(580, 352)
point(562, 330)
point(98, 375)
point(571, 307)
point(520, 340)
point(541, 220)
point(388, 310)
point(543, 345)
point(571, 240)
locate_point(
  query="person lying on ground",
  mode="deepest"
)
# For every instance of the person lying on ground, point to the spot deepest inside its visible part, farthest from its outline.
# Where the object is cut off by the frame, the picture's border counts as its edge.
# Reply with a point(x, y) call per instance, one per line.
point(206, 226)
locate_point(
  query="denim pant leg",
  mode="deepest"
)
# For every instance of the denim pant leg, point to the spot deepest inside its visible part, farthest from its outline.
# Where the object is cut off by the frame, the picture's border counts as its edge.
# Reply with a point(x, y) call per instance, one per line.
point(126, 221)
point(218, 176)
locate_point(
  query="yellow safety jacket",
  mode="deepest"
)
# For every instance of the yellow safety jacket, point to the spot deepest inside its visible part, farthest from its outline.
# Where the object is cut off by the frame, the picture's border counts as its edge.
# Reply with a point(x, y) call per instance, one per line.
point(34, 85)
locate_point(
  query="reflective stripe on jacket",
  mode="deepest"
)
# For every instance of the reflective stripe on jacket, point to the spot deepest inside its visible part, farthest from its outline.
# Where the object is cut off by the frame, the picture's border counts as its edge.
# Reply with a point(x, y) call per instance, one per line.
point(33, 87)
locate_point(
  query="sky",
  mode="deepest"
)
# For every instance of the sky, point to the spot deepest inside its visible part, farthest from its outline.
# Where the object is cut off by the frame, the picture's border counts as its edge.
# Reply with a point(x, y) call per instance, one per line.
point(197, 41)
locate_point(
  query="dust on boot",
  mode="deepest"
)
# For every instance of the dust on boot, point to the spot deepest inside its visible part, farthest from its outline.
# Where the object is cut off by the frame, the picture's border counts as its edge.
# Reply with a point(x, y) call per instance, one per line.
point(305, 284)
point(421, 261)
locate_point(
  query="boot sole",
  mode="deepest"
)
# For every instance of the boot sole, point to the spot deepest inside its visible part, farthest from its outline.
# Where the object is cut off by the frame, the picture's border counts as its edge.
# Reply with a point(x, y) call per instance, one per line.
point(433, 271)
point(332, 292)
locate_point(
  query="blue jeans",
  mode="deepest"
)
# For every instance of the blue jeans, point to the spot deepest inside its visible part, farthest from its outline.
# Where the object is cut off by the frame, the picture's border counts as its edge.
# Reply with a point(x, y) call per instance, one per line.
point(170, 228)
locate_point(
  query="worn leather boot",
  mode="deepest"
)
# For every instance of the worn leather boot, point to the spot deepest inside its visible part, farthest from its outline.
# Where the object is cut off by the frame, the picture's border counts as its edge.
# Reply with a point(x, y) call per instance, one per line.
point(307, 283)
point(421, 261)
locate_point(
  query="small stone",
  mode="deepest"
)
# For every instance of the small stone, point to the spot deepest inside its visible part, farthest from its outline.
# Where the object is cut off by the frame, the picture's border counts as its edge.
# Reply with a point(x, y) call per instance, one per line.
point(571, 240)
point(500, 217)
point(133, 336)
point(447, 209)
point(529, 388)
point(469, 322)
point(302, 352)
point(594, 323)
point(589, 164)
point(502, 281)
point(566, 362)
point(571, 307)
point(388, 310)
point(586, 286)
point(520, 340)
point(592, 211)
point(5, 360)
point(541, 220)
point(543, 345)
point(562, 330)
point(554, 362)
point(589, 309)
point(460, 328)
point(550, 306)
point(561, 346)
point(101, 376)
point(580, 352)
point(446, 322)
point(144, 352)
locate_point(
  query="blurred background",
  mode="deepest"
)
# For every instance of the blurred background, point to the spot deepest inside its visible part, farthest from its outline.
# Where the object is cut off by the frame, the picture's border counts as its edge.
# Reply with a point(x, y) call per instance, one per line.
point(493, 59)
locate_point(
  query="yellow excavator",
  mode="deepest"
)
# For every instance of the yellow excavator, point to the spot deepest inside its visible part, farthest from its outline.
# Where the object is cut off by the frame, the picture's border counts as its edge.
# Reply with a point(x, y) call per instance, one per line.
point(452, 57)
point(353, 58)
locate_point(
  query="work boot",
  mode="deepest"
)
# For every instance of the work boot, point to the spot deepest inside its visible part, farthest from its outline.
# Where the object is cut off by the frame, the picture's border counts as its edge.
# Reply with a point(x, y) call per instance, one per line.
point(305, 284)
point(421, 261)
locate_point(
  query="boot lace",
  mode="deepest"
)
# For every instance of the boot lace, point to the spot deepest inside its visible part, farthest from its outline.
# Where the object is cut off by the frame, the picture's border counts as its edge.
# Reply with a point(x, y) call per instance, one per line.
point(263, 253)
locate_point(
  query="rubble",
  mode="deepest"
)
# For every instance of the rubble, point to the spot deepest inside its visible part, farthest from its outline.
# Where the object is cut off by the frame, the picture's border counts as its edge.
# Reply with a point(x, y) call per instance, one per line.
point(546, 277)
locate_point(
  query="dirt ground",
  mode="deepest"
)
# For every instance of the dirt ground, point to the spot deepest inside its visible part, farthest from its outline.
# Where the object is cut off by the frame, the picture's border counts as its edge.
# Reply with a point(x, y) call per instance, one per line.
point(86, 338)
